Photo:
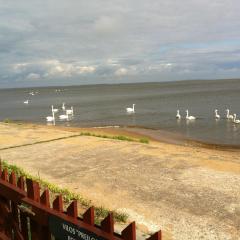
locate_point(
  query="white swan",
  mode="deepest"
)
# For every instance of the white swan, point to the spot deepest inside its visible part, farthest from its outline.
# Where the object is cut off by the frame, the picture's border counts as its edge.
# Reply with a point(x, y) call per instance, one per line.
point(26, 102)
point(228, 115)
point(234, 118)
point(64, 117)
point(55, 110)
point(51, 118)
point(217, 116)
point(69, 111)
point(189, 117)
point(178, 116)
point(130, 110)
point(63, 106)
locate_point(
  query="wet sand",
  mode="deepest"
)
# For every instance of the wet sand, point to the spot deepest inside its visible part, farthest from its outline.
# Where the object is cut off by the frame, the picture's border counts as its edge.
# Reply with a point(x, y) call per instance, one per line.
point(188, 190)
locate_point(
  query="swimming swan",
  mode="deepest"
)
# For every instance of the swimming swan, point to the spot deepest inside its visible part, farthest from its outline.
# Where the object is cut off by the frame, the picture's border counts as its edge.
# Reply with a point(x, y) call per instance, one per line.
point(228, 115)
point(55, 110)
point(189, 117)
point(178, 116)
point(217, 116)
point(51, 118)
point(64, 117)
point(63, 106)
point(234, 118)
point(131, 110)
point(69, 111)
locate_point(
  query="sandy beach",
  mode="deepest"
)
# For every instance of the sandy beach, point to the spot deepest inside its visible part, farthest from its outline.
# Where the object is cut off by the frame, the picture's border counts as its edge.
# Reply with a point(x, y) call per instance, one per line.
point(190, 191)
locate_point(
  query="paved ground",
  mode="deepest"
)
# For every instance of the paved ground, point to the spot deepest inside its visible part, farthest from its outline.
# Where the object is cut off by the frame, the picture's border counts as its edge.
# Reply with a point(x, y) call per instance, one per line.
point(189, 192)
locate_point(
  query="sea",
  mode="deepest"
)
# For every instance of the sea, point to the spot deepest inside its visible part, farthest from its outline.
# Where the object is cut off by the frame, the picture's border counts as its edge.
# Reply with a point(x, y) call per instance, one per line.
point(155, 107)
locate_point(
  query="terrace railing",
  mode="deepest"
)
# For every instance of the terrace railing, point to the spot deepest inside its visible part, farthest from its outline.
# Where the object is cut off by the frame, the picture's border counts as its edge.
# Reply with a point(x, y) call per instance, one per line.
point(26, 212)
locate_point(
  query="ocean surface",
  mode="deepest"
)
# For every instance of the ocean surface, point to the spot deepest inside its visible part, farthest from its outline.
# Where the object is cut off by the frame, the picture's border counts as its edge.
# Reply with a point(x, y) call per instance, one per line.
point(156, 105)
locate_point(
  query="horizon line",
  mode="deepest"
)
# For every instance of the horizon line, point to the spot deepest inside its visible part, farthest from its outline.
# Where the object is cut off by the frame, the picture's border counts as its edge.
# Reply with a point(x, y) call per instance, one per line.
point(123, 83)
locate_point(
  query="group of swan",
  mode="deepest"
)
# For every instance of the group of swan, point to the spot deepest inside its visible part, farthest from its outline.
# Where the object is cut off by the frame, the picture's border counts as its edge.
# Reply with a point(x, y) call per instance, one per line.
point(178, 116)
point(217, 116)
point(228, 116)
point(33, 93)
point(68, 112)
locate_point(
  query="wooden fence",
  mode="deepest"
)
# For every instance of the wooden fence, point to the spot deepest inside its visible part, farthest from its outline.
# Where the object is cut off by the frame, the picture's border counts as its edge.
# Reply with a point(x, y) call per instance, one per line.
point(26, 214)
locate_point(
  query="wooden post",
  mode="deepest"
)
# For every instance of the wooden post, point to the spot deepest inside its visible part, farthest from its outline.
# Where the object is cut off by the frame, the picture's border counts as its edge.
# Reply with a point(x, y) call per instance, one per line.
point(21, 183)
point(33, 190)
point(4, 175)
point(72, 209)
point(12, 178)
point(107, 224)
point(0, 166)
point(58, 204)
point(129, 233)
point(44, 199)
point(156, 236)
point(88, 216)
point(44, 230)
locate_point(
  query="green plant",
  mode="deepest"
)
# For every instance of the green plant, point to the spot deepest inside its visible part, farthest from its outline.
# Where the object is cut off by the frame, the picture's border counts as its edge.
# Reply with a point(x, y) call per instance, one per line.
point(7, 120)
point(101, 212)
point(144, 140)
point(123, 138)
point(120, 137)
point(120, 217)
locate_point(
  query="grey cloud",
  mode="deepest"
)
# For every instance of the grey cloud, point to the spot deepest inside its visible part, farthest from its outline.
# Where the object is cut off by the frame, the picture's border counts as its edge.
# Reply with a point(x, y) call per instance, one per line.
point(174, 39)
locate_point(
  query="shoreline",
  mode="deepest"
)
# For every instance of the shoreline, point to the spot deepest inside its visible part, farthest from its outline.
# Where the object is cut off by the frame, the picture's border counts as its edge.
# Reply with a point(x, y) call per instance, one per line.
point(155, 135)
point(179, 139)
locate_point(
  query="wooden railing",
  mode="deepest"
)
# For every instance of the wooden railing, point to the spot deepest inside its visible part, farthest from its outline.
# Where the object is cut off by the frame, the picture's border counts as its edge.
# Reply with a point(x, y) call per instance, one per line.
point(26, 214)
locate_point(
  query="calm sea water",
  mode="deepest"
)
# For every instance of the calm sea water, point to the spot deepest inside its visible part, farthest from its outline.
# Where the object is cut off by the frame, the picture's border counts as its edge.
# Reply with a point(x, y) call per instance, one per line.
point(156, 105)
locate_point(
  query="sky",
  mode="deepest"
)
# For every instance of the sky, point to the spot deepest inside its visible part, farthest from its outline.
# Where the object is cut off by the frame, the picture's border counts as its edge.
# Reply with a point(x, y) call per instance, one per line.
point(59, 42)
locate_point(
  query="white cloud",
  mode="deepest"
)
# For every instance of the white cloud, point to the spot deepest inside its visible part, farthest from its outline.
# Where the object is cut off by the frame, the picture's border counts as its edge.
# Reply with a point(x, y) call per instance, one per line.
point(121, 72)
point(32, 76)
point(160, 67)
point(52, 68)
point(85, 69)
point(19, 66)
point(68, 69)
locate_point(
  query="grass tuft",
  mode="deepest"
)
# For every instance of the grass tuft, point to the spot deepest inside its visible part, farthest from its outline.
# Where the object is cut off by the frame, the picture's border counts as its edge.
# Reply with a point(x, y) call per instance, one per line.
point(119, 137)
point(7, 120)
point(144, 140)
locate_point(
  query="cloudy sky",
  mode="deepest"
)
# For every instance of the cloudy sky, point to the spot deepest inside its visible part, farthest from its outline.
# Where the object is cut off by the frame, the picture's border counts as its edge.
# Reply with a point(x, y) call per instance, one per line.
point(59, 42)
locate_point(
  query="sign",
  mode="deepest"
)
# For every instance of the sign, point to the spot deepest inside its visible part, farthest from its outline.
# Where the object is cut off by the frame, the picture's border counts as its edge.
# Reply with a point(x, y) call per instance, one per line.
point(64, 230)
